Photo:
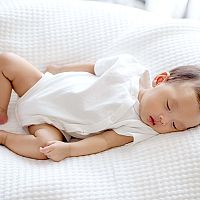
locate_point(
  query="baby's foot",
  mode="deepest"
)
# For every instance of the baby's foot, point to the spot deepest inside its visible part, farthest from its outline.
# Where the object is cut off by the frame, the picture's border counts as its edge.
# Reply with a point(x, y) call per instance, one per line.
point(3, 116)
point(3, 136)
point(52, 69)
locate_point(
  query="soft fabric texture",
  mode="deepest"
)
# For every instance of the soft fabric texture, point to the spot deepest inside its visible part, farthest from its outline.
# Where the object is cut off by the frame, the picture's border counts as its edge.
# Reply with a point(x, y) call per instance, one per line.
point(58, 32)
point(81, 104)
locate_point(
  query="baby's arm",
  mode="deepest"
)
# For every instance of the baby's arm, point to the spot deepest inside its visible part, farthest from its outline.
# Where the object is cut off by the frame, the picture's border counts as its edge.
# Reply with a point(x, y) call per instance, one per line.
point(69, 68)
point(59, 150)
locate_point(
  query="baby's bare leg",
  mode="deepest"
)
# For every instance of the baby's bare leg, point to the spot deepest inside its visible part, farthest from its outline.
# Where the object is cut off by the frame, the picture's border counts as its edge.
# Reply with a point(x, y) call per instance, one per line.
point(15, 73)
point(29, 145)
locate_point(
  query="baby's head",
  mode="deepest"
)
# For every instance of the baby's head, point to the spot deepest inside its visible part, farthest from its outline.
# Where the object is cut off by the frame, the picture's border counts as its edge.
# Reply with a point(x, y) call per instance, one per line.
point(173, 103)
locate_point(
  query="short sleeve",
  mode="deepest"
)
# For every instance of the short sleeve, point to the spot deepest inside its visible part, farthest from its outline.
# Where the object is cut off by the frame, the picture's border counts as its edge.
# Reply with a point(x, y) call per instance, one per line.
point(104, 64)
point(139, 133)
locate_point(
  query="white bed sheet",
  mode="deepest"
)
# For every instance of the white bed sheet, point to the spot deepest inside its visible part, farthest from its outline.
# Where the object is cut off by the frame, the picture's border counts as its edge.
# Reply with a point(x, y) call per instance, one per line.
point(166, 167)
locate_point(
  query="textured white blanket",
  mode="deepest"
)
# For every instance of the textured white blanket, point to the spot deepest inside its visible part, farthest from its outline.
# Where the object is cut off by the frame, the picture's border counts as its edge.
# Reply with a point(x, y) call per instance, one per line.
point(166, 167)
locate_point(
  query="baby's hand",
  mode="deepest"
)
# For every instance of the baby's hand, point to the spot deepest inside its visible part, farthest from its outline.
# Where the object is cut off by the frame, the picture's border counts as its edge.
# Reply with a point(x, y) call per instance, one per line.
point(56, 150)
point(52, 69)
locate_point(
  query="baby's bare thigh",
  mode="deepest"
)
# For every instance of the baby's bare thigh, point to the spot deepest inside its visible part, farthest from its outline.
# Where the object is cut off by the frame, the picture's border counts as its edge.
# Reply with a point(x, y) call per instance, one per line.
point(22, 74)
point(46, 131)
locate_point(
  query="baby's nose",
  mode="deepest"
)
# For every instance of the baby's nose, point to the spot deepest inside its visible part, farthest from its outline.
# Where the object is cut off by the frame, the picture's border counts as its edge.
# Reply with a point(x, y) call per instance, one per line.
point(163, 120)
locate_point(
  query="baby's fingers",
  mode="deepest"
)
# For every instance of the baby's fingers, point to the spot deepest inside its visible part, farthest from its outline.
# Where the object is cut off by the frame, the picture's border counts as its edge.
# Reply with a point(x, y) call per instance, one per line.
point(45, 150)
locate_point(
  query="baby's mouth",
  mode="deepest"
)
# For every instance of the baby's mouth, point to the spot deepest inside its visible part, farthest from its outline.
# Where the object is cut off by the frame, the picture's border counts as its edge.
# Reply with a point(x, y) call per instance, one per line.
point(151, 120)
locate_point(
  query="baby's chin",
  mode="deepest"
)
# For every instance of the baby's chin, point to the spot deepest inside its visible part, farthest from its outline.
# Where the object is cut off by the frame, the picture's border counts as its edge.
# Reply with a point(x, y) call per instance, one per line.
point(160, 131)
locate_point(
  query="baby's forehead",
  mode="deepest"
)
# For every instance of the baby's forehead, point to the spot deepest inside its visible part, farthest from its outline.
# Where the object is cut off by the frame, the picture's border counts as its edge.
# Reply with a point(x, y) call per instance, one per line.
point(183, 89)
point(186, 90)
point(183, 95)
point(187, 107)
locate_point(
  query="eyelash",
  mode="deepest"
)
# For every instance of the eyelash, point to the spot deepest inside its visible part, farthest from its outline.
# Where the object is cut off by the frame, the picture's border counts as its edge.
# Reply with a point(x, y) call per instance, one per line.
point(173, 124)
point(168, 106)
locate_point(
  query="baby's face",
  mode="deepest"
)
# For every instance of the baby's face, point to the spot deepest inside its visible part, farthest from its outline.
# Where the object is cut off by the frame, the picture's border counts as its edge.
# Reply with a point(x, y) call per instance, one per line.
point(170, 107)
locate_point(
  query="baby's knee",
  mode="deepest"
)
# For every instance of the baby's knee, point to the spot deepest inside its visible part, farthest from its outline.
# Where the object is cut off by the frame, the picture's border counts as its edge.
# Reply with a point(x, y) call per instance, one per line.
point(41, 142)
point(5, 58)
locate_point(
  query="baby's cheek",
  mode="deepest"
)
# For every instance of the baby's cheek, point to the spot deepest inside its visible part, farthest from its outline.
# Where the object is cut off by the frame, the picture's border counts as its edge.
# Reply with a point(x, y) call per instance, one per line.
point(164, 129)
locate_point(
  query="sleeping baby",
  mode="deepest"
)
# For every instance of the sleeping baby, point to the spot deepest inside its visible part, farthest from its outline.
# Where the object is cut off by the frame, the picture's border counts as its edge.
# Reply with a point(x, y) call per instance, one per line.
point(107, 104)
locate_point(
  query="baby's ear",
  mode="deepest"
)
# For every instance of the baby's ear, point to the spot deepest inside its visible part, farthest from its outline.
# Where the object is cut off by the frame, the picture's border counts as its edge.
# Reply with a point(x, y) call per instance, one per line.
point(160, 78)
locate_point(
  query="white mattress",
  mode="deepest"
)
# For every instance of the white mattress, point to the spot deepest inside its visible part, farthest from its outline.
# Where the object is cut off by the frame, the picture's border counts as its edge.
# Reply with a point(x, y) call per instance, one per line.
point(166, 167)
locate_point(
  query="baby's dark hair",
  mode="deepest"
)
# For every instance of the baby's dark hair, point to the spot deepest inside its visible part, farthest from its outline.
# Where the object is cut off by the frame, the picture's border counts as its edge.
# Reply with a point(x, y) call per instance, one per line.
point(189, 73)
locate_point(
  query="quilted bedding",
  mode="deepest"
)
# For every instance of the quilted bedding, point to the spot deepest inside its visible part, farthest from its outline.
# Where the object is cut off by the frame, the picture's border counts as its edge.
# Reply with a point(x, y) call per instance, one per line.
point(166, 167)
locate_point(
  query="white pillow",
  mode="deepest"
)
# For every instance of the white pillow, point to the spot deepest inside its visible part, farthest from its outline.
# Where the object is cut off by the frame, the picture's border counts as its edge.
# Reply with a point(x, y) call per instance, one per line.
point(61, 32)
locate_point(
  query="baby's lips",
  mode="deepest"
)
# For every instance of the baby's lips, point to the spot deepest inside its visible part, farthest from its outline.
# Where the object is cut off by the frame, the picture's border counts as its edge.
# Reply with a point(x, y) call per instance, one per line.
point(152, 120)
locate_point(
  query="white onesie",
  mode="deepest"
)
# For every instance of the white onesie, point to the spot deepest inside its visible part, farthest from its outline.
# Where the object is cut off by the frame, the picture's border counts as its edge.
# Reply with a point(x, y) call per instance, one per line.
point(81, 104)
